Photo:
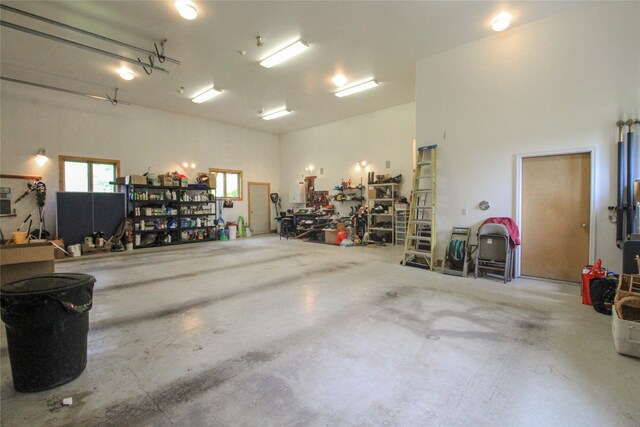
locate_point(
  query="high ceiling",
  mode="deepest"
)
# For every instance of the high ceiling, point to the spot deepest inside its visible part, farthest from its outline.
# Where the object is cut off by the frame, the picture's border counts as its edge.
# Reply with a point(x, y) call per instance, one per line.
point(381, 40)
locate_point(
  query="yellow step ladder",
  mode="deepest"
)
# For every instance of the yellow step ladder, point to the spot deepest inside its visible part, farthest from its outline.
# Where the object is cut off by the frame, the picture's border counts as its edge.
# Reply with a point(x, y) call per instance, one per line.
point(420, 242)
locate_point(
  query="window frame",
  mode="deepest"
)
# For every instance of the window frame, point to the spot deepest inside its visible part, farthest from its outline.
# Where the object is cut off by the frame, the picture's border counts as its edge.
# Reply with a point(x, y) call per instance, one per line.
point(215, 171)
point(89, 161)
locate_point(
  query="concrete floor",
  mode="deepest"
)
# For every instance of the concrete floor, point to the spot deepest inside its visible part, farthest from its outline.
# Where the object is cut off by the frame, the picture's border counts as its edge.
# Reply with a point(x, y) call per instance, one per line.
point(270, 332)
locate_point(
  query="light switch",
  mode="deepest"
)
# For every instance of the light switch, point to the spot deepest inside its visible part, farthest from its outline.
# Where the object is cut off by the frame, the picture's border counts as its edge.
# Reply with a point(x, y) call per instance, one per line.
point(465, 211)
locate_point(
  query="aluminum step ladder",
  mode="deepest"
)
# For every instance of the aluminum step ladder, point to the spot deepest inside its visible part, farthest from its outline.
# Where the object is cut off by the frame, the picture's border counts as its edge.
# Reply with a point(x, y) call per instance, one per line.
point(420, 241)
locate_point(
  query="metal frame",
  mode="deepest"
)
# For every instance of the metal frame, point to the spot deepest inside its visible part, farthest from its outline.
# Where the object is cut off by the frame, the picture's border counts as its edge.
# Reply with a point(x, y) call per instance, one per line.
point(136, 62)
point(161, 57)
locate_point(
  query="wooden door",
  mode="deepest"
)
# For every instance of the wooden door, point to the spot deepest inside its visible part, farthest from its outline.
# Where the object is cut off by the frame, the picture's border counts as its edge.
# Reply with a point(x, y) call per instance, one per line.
point(259, 207)
point(556, 192)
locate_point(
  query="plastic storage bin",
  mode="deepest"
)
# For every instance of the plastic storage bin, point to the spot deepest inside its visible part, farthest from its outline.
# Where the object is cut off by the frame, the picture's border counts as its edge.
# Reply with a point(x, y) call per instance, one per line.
point(626, 335)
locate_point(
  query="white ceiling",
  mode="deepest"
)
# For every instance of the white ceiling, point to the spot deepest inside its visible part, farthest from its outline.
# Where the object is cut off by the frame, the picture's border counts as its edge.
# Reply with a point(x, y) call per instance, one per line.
point(380, 39)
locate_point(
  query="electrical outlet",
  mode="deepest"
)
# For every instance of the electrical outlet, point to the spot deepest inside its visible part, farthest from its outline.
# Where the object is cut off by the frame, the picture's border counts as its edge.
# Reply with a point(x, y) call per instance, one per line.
point(439, 263)
point(387, 164)
point(465, 211)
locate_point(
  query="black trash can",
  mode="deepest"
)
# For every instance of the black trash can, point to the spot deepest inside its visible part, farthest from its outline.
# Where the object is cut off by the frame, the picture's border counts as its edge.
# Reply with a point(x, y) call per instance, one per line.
point(47, 321)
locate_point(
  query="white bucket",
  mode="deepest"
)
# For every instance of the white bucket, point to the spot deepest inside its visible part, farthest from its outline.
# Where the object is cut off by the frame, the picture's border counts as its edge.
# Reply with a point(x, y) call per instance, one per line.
point(74, 250)
point(233, 231)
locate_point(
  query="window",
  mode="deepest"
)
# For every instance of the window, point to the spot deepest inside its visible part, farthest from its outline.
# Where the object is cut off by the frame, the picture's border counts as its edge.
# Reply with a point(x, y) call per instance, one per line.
point(86, 174)
point(228, 183)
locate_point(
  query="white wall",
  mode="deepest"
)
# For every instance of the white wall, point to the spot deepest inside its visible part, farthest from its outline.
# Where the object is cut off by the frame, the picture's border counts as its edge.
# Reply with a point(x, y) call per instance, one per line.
point(559, 83)
point(139, 137)
point(336, 147)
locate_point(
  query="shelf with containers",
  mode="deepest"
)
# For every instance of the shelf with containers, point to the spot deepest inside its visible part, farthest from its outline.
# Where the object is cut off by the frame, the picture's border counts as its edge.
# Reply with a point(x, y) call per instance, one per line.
point(347, 193)
point(164, 215)
point(197, 214)
point(381, 219)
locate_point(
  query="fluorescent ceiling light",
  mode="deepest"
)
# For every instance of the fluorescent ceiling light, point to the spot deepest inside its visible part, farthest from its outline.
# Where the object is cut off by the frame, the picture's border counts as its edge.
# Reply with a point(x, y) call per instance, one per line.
point(187, 9)
point(357, 88)
point(125, 73)
point(207, 95)
point(501, 21)
point(339, 80)
point(284, 54)
point(276, 114)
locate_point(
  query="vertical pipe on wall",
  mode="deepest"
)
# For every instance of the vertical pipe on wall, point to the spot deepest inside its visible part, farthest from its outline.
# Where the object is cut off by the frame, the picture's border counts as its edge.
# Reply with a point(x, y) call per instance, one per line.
point(620, 192)
point(630, 161)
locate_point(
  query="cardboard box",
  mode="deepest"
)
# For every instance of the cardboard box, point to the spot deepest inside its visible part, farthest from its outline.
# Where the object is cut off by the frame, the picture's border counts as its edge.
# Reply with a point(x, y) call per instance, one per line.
point(136, 179)
point(166, 180)
point(121, 180)
point(57, 252)
point(184, 182)
point(18, 262)
point(330, 235)
point(372, 193)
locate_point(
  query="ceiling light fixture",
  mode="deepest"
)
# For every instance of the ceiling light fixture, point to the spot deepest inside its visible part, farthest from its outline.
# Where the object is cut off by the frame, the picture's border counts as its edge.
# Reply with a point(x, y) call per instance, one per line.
point(125, 73)
point(284, 54)
point(276, 114)
point(339, 80)
point(206, 95)
point(187, 9)
point(357, 88)
point(501, 21)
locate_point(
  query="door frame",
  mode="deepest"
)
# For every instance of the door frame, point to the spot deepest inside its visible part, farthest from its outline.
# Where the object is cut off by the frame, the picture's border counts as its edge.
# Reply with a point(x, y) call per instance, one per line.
point(268, 184)
point(592, 211)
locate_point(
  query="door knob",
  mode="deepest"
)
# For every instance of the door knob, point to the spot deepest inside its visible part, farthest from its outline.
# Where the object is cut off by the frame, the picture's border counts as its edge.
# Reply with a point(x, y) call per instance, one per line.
point(585, 226)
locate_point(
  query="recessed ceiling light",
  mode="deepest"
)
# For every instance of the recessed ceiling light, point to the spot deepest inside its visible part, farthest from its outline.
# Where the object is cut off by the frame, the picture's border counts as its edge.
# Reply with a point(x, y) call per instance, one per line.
point(187, 9)
point(125, 73)
point(357, 88)
point(501, 21)
point(339, 80)
point(276, 114)
point(206, 95)
point(284, 54)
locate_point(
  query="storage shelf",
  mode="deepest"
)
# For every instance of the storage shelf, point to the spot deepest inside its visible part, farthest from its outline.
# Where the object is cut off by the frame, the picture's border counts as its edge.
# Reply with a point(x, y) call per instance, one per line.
point(160, 187)
point(155, 216)
point(156, 231)
point(381, 214)
point(197, 228)
point(197, 203)
point(382, 185)
point(153, 202)
point(178, 216)
point(382, 200)
point(154, 245)
point(381, 229)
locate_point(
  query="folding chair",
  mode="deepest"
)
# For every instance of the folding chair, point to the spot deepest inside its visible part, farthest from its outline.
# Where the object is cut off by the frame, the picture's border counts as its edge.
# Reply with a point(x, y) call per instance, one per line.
point(494, 253)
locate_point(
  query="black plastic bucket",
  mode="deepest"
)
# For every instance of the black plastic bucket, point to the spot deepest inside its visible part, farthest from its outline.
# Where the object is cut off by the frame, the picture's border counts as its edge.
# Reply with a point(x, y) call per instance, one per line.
point(47, 321)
